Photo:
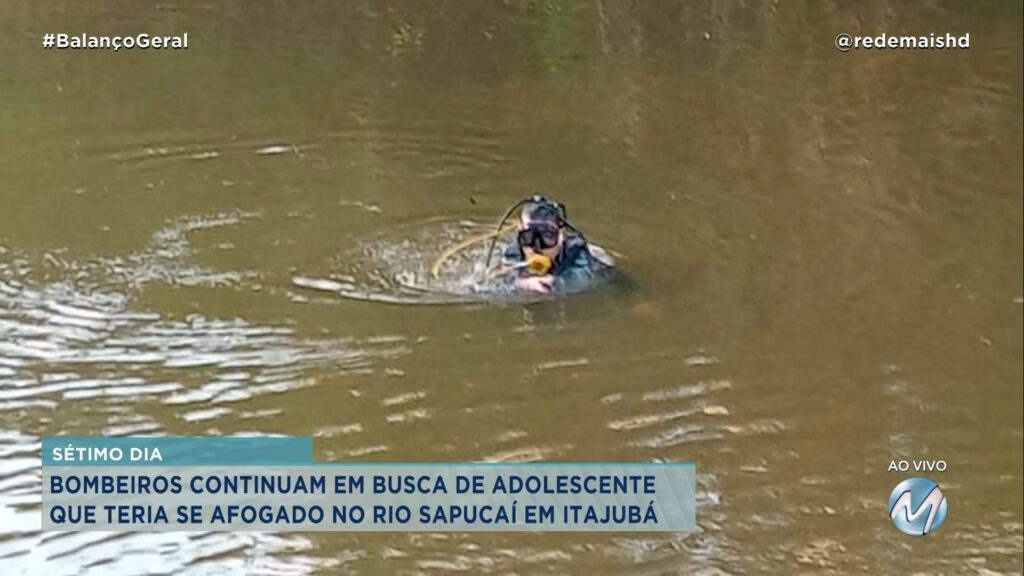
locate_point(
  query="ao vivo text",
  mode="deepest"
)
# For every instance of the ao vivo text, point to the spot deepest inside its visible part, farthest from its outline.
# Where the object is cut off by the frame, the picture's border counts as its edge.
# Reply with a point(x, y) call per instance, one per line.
point(917, 465)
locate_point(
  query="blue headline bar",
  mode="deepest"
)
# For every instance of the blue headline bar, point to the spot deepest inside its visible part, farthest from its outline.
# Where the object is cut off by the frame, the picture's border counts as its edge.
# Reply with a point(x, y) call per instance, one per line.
point(273, 484)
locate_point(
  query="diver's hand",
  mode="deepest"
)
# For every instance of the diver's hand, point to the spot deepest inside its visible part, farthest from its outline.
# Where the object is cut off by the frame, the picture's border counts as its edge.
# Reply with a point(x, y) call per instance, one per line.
point(540, 284)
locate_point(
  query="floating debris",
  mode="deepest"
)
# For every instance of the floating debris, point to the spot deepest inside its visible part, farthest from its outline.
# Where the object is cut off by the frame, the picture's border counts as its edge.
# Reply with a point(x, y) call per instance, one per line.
point(339, 430)
point(322, 284)
point(686, 391)
point(763, 427)
point(275, 149)
point(646, 420)
point(612, 398)
point(408, 415)
point(562, 364)
point(356, 203)
point(700, 360)
point(404, 398)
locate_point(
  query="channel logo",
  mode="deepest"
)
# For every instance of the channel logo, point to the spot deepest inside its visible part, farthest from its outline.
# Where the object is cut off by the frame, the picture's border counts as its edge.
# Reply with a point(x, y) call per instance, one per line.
point(917, 506)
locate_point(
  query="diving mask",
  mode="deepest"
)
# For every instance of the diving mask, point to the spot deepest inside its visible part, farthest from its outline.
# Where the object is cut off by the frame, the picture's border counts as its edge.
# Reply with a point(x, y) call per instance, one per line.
point(539, 236)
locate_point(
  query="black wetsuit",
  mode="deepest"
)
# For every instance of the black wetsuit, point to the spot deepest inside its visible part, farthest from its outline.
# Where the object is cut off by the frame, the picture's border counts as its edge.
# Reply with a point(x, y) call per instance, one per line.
point(575, 268)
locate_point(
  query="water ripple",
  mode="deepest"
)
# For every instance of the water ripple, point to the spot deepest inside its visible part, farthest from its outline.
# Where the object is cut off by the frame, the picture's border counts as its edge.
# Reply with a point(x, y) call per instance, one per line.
point(59, 344)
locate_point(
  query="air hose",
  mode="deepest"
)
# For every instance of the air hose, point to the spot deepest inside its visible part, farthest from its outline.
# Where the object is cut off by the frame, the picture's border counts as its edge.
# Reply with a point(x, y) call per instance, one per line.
point(435, 270)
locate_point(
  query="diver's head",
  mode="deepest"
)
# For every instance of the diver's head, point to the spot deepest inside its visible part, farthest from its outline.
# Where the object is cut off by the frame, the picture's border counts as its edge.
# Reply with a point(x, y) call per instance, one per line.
point(541, 229)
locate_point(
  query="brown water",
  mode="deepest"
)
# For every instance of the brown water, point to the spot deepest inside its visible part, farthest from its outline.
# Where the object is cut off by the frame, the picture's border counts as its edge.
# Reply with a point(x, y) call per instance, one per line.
point(826, 249)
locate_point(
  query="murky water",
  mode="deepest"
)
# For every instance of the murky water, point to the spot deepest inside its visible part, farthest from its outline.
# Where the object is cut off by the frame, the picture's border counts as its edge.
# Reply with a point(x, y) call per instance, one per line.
point(825, 254)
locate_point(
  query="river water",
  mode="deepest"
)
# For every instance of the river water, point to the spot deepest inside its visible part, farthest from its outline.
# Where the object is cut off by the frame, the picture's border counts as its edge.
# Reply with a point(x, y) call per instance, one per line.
point(824, 252)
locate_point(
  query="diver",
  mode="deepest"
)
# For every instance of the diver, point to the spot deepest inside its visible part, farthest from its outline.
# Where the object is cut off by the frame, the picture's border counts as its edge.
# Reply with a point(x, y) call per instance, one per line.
point(549, 254)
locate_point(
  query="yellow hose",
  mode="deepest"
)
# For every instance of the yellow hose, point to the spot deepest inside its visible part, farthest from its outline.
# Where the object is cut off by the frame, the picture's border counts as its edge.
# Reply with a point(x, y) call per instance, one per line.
point(435, 270)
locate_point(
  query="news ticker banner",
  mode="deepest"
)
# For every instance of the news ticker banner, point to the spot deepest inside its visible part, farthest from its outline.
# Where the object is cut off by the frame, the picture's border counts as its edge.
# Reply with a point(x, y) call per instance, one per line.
point(273, 484)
